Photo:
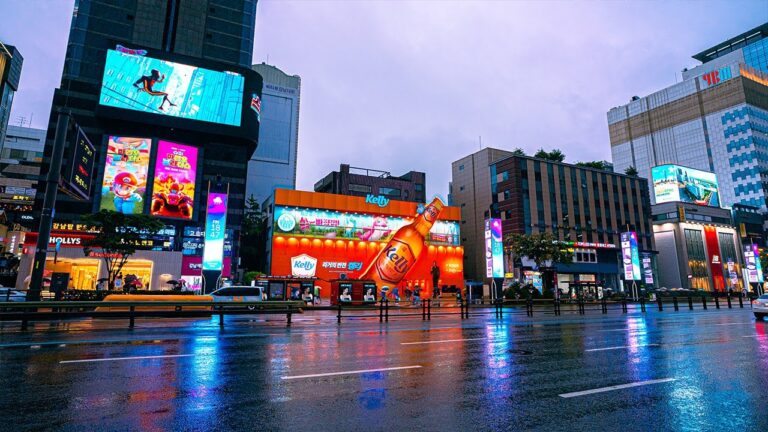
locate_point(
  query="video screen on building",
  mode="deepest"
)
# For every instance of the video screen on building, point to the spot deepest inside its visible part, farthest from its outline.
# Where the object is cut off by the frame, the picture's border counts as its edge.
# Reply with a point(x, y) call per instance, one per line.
point(125, 174)
point(137, 82)
point(173, 192)
point(677, 183)
point(335, 225)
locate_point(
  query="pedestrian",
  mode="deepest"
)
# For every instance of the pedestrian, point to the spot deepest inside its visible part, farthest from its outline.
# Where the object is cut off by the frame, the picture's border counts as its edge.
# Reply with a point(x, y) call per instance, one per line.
point(435, 279)
point(119, 285)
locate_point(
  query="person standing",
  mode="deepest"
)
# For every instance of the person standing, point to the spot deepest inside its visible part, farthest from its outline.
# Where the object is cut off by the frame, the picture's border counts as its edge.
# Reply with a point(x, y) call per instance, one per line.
point(435, 279)
point(119, 282)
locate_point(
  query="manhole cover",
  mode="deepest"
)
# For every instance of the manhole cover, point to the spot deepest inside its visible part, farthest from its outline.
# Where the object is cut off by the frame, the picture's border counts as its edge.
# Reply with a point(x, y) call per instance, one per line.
point(520, 352)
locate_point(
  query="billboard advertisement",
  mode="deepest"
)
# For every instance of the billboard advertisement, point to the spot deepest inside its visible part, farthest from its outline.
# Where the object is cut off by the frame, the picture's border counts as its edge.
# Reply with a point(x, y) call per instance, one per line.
point(673, 183)
point(647, 259)
point(81, 173)
point(630, 255)
point(125, 174)
point(173, 193)
point(137, 82)
point(215, 223)
point(752, 261)
point(329, 224)
point(494, 249)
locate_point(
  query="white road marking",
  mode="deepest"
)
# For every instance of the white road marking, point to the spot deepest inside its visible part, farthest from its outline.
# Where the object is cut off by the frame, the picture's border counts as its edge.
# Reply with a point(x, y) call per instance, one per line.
point(349, 372)
point(620, 347)
point(616, 387)
point(732, 324)
point(441, 341)
point(754, 336)
point(125, 358)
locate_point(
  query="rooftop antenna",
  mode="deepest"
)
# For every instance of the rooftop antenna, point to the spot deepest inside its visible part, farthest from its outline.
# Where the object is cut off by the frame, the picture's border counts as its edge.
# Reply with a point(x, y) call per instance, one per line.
point(480, 141)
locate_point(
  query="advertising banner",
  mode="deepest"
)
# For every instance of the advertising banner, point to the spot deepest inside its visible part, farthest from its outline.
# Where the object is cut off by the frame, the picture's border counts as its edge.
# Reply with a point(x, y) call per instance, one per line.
point(630, 255)
point(215, 223)
point(497, 249)
point(80, 176)
point(488, 250)
point(141, 83)
point(673, 183)
point(327, 224)
point(173, 193)
point(752, 261)
point(125, 174)
point(713, 257)
point(647, 259)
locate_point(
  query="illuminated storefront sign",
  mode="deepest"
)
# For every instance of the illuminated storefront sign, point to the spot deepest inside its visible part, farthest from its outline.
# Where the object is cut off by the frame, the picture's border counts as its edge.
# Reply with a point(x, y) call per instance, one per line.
point(352, 226)
point(215, 223)
point(173, 194)
point(752, 260)
point(162, 87)
point(674, 183)
point(630, 255)
point(303, 266)
point(125, 174)
point(379, 200)
point(716, 76)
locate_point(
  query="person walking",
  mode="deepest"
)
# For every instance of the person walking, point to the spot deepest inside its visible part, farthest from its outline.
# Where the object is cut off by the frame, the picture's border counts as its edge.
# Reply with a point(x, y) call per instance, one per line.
point(435, 270)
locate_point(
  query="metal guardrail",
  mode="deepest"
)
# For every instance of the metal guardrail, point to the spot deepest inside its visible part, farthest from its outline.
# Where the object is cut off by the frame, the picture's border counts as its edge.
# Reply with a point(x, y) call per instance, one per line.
point(55, 310)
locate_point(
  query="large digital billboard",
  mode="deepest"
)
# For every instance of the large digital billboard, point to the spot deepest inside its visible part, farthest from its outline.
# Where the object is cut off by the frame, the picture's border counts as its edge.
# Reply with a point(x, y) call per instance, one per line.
point(141, 83)
point(335, 225)
point(80, 175)
point(752, 261)
point(630, 255)
point(173, 193)
point(494, 249)
point(125, 174)
point(215, 228)
point(677, 183)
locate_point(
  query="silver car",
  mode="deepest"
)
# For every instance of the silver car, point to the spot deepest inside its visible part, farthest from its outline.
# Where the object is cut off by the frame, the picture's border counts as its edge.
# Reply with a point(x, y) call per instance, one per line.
point(239, 294)
point(760, 306)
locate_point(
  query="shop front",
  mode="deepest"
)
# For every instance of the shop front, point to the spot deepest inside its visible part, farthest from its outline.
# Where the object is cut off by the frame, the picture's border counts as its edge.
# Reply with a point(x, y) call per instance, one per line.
point(334, 237)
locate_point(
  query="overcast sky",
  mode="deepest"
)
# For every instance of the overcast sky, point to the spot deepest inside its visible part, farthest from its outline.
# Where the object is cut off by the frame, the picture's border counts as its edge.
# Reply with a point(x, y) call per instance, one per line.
point(413, 85)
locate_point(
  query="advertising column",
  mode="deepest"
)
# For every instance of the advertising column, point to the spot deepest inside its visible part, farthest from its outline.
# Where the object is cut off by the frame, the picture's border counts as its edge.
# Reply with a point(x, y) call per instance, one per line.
point(494, 254)
point(753, 269)
point(630, 256)
point(215, 229)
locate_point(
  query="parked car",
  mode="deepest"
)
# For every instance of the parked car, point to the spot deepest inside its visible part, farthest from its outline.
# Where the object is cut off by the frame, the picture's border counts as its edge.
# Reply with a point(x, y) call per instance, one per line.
point(760, 306)
point(239, 294)
point(12, 295)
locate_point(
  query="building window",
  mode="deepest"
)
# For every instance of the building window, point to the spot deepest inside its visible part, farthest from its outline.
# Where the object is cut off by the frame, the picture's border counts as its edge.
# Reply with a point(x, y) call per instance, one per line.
point(359, 188)
point(461, 167)
point(506, 194)
point(697, 259)
point(389, 191)
point(418, 187)
point(461, 188)
point(505, 176)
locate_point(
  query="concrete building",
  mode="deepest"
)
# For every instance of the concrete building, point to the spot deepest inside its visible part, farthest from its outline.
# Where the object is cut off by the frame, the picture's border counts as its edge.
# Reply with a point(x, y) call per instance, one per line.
point(365, 181)
point(470, 190)
point(20, 159)
point(273, 164)
point(11, 62)
point(715, 119)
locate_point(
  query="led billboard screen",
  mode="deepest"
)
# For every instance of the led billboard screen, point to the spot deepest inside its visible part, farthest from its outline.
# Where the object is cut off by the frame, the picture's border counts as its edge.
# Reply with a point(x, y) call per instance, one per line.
point(335, 225)
point(142, 83)
point(494, 249)
point(82, 165)
point(630, 255)
point(125, 174)
point(215, 223)
point(173, 193)
point(677, 183)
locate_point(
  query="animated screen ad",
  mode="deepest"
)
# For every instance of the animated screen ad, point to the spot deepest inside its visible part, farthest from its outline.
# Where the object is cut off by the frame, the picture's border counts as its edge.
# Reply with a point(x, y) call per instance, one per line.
point(173, 193)
point(125, 174)
point(137, 82)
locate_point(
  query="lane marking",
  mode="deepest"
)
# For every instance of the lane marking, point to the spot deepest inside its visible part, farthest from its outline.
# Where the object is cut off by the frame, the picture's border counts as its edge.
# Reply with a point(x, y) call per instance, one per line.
point(732, 324)
point(620, 347)
point(125, 358)
point(441, 341)
point(616, 387)
point(754, 336)
point(349, 372)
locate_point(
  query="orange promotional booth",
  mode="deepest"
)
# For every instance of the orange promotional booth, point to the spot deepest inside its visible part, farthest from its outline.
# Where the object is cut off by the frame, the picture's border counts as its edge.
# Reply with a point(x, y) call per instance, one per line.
point(333, 237)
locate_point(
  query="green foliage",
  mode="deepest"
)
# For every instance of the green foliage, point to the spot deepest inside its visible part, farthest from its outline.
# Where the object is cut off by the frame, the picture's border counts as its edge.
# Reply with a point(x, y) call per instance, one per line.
point(601, 165)
point(518, 152)
point(555, 155)
point(249, 276)
point(116, 237)
point(540, 248)
point(631, 171)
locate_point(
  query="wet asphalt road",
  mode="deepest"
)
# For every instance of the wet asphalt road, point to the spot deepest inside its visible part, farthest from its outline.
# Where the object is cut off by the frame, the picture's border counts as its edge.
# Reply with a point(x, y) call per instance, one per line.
point(700, 370)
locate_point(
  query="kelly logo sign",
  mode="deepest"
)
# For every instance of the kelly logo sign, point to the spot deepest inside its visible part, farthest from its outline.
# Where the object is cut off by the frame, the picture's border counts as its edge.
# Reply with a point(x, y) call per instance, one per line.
point(379, 200)
point(303, 266)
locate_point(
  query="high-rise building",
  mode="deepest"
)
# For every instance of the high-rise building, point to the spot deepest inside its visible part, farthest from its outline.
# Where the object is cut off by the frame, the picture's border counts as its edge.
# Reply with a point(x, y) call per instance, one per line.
point(273, 164)
point(10, 74)
point(587, 209)
point(715, 119)
point(366, 181)
point(471, 191)
point(20, 159)
point(166, 106)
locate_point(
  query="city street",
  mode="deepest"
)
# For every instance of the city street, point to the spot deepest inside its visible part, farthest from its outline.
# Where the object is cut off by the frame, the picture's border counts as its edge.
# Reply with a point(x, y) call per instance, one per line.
point(687, 370)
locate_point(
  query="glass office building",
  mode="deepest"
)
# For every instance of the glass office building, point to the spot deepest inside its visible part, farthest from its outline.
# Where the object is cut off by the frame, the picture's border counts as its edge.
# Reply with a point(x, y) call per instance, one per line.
point(273, 164)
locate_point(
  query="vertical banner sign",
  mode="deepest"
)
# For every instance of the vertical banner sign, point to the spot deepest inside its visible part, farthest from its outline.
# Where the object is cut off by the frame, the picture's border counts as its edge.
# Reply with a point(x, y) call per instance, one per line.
point(125, 174)
point(497, 249)
point(488, 250)
point(174, 185)
point(82, 165)
point(713, 257)
point(630, 255)
point(647, 267)
point(752, 261)
point(215, 223)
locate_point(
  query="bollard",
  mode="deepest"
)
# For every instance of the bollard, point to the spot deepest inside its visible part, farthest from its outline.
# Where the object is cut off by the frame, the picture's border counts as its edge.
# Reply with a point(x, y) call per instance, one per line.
point(131, 320)
point(661, 306)
point(461, 308)
point(381, 310)
point(386, 310)
point(24, 321)
point(674, 301)
point(429, 310)
point(604, 306)
point(288, 324)
point(338, 317)
point(424, 310)
point(729, 301)
point(690, 303)
point(741, 302)
point(624, 305)
point(221, 316)
point(704, 302)
point(557, 304)
point(717, 301)
point(642, 304)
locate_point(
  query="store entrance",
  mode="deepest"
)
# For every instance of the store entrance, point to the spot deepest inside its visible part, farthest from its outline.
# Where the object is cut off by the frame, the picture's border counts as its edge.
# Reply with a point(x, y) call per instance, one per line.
point(83, 273)
point(137, 274)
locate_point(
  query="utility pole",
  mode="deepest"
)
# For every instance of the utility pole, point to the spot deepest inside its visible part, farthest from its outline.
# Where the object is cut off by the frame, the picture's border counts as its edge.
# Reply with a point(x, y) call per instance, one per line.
point(49, 202)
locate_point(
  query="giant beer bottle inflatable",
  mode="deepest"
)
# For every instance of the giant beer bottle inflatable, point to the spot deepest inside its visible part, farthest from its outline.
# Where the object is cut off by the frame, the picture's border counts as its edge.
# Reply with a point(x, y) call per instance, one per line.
point(392, 263)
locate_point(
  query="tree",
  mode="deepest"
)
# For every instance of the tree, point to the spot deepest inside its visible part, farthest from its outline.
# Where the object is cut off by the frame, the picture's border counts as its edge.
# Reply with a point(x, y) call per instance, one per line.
point(116, 237)
point(543, 249)
point(554, 155)
point(253, 236)
point(601, 165)
point(631, 171)
point(518, 152)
